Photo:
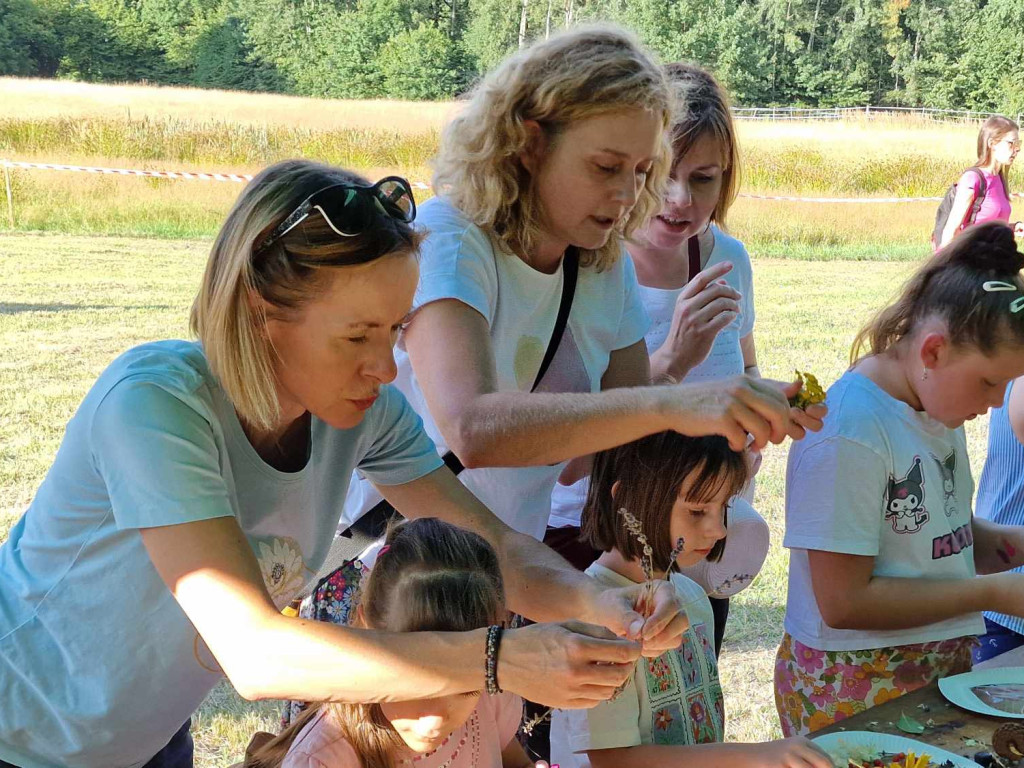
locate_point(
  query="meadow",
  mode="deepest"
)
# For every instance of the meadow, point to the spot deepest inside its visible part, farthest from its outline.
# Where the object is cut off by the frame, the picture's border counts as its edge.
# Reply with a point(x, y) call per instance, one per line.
point(97, 264)
point(194, 130)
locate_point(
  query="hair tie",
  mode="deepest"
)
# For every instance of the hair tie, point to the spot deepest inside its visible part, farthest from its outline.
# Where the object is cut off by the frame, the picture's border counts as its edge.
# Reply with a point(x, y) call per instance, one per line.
point(383, 550)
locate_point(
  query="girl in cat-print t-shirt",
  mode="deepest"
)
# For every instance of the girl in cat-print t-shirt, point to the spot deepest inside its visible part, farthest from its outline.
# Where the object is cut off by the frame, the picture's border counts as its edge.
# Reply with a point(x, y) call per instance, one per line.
point(884, 591)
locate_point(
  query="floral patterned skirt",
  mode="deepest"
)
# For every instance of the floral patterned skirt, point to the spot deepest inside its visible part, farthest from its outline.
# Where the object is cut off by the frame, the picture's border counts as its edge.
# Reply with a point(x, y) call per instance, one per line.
point(814, 689)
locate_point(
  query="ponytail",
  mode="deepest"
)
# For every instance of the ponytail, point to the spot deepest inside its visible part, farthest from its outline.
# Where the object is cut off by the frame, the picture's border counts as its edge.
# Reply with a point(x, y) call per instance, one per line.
point(951, 285)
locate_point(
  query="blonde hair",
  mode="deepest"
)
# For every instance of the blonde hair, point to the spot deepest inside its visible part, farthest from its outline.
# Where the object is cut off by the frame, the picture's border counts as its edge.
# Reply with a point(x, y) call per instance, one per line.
point(577, 74)
point(431, 577)
point(703, 109)
point(226, 315)
point(950, 285)
point(992, 132)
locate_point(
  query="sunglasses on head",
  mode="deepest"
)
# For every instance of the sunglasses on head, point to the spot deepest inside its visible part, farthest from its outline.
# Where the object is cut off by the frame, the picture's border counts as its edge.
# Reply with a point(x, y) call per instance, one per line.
point(350, 209)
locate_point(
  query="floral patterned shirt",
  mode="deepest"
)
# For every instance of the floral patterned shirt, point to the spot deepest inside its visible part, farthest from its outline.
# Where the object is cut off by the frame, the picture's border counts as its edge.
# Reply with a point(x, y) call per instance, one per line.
point(673, 699)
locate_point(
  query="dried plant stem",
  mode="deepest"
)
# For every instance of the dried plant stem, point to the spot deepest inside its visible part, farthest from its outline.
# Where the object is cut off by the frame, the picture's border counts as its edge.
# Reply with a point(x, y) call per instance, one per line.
point(646, 606)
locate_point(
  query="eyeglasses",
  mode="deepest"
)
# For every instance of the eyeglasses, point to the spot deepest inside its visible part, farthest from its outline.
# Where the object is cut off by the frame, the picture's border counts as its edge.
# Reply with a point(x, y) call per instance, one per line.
point(349, 209)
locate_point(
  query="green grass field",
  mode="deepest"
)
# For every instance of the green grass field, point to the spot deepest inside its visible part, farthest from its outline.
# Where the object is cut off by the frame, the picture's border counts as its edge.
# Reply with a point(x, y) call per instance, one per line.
point(70, 304)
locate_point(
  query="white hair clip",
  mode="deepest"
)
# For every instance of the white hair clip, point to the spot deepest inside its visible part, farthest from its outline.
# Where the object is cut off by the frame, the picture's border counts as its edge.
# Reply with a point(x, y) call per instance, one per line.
point(993, 286)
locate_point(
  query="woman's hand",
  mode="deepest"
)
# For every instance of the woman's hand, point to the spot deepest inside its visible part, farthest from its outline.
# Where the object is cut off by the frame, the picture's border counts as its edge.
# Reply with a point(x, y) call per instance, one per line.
point(738, 407)
point(622, 611)
point(704, 308)
point(569, 666)
point(812, 418)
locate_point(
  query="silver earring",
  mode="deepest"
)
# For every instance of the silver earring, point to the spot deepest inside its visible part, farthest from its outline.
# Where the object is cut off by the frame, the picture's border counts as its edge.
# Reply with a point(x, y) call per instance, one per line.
point(924, 374)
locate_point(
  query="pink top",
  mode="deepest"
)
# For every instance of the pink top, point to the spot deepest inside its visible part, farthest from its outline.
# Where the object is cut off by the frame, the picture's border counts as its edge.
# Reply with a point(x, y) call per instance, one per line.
point(996, 205)
point(477, 744)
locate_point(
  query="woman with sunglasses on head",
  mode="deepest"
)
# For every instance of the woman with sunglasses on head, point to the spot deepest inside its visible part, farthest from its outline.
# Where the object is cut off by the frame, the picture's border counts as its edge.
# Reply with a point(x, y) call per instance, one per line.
point(983, 192)
point(196, 491)
point(560, 155)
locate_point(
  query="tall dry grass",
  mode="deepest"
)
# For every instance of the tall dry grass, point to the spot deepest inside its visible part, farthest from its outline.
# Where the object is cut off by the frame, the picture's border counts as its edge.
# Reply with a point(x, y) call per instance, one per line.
point(33, 99)
point(191, 129)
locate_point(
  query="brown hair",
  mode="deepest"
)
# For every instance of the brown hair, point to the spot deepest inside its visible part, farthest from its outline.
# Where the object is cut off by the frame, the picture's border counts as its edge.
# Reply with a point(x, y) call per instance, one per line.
point(992, 132)
point(286, 275)
point(580, 73)
point(650, 473)
point(702, 108)
point(950, 285)
point(432, 577)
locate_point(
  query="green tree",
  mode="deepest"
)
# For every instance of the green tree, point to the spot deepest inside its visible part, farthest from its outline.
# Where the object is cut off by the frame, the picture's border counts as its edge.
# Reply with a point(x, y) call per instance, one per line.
point(27, 41)
point(422, 63)
point(491, 33)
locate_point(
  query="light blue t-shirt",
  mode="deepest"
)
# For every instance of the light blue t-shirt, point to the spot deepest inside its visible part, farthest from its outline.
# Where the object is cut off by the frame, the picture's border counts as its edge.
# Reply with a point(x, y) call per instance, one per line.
point(99, 666)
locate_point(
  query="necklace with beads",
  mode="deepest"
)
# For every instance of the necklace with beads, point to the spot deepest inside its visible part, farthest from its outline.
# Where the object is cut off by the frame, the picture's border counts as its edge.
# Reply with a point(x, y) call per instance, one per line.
point(471, 735)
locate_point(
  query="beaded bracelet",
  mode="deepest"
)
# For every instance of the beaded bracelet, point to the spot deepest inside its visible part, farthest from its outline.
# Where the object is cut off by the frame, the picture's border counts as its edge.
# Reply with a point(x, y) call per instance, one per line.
point(491, 659)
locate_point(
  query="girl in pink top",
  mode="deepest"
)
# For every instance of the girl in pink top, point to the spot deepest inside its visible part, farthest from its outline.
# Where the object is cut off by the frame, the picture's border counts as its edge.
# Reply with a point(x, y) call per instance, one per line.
point(429, 576)
point(998, 145)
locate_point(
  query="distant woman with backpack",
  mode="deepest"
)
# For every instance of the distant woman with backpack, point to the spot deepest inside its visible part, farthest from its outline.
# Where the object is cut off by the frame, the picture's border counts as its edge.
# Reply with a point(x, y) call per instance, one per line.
point(982, 193)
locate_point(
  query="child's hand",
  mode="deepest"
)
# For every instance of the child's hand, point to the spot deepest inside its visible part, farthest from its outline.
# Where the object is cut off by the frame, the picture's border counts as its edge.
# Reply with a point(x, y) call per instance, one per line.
point(1007, 593)
point(794, 752)
point(1018, 230)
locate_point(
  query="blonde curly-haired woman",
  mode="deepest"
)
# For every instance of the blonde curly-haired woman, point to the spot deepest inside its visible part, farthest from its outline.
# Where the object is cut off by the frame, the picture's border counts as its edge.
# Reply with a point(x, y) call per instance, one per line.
point(560, 155)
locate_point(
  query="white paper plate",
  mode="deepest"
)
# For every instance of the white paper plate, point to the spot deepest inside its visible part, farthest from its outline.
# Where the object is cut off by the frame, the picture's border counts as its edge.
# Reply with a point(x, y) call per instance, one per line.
point(834, 743)
point(959, 689)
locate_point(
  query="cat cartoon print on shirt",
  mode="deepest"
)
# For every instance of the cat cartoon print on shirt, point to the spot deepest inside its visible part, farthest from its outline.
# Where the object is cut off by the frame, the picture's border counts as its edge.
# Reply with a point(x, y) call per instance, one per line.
point(904, 500)
point(947, 469)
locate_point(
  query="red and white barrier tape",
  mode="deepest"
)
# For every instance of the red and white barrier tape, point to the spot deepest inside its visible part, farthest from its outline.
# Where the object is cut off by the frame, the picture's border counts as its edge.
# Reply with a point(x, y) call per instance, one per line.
point(185, 175)
point(842, 199)
point(245, 177)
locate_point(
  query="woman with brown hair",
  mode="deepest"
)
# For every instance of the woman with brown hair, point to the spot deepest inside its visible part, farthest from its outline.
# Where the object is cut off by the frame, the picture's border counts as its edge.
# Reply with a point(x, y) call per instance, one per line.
point(697, 285)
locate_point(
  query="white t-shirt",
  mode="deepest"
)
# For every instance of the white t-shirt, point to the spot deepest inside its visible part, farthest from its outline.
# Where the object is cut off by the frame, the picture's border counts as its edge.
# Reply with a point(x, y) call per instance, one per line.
point(675, 699)
point(885, 481)
point(99, 665)
point(724, 360)
point(459, 261)
point(726, 356)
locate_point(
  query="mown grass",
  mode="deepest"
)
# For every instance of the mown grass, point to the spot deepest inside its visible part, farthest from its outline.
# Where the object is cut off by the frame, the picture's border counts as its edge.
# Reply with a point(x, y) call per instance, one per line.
point(70, 304)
